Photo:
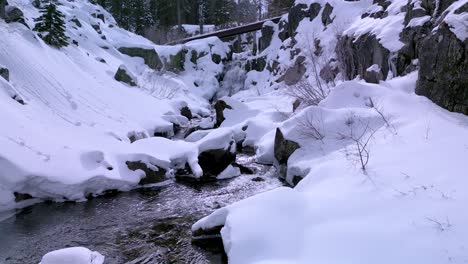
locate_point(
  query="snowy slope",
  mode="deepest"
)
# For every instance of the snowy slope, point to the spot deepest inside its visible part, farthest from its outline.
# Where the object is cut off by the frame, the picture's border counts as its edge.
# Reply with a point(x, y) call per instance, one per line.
point(71, 138)
point(409, 206)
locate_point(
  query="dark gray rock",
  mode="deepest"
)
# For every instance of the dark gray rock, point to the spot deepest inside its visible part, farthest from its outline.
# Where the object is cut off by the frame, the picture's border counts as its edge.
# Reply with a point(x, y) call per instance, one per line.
point(326, 14)
point(97, 28)
point(150, 56)
point(209, 239)
point(258, 179)
point(294, 74)
point(314, 10)
point(123, 76)
point(216, 58)
point(267, 35)
point(219, 107)
point(296, 179)
point(21, 196)
point(14, 14)
point(443, 74)
point(152, 176)
point(296, 14)
point(329, 71)
point(357, 55)
point(76, 22)
point(462, 9)
point(283, 27)
point(5, 73)
point(185, 111)
point(215, 161)
point(373, 75)
point(283, 147)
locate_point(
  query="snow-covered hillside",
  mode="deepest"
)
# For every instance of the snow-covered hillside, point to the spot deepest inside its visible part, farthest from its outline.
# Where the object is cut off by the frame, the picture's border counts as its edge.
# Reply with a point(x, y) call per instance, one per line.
point(67, 124)
point(379, 171)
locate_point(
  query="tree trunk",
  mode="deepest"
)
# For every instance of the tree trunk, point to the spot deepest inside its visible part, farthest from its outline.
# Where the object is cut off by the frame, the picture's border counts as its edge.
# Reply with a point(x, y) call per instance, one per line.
point(179, 16)
point(2, 8)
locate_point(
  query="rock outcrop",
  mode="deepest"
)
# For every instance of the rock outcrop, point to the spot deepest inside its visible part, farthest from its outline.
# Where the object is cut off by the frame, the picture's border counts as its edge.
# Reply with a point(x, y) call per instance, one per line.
point(123, 75)
point(153, 173)
point(14, 14)
point(443, 73)
point(357, 55)
point(4, 73)
point(283, 148)
point(266, 37)
point(295, 73)
point(150, 56)
point(220, 106)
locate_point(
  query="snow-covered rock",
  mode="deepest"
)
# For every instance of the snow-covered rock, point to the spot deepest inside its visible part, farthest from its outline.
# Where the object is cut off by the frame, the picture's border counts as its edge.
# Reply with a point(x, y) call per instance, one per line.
point(73, 255)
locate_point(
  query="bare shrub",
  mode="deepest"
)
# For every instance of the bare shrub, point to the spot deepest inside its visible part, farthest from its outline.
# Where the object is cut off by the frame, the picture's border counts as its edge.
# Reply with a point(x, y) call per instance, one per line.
point(440, 225)
point(359, 151)
point(307, 93)
point(162, 87)
point(311, 126)
point(379, 110)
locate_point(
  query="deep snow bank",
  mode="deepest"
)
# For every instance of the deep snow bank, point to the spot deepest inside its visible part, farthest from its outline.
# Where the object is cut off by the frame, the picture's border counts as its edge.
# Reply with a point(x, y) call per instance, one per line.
point(407, 207)
point(67, 124)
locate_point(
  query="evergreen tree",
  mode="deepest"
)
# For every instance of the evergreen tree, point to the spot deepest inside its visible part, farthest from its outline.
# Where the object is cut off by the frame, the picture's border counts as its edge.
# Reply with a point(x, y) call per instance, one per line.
point(51, 26)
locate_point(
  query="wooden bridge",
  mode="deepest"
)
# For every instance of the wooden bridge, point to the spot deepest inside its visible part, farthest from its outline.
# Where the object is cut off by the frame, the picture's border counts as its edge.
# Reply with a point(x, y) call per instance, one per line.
point(226, 33)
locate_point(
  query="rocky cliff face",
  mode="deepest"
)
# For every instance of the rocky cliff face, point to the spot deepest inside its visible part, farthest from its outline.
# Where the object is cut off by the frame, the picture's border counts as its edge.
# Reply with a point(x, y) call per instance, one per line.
point(379, 40)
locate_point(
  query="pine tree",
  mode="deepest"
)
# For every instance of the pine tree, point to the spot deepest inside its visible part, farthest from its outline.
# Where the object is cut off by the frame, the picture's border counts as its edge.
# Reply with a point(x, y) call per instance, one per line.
point(51, 26)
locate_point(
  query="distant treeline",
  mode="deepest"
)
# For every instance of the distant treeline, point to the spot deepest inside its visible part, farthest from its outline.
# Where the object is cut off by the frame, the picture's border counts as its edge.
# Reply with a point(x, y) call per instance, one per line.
point(157, 18)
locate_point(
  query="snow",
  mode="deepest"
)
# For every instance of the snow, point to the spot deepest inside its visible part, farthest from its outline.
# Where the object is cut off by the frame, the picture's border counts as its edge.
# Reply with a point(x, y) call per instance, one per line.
point(72, 137)
point(73, 255)
point(407, 207)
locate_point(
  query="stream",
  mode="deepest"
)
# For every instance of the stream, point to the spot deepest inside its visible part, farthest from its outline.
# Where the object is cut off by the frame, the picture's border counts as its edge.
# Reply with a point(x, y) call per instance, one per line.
point(146, 225)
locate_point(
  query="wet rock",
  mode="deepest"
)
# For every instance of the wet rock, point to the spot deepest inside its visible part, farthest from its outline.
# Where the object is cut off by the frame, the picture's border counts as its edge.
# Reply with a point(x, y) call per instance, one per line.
point(123, 75)
point(5, 73)
point(357, 55)
point(326, 15)
point(215, 161)
point(265, 39)
point(209, 239)
point(150, 56)
point(22, 197)
point(220, 106)
point(443, 74)
point(185, 111)
point(294, 74)
point(283, 147)
point(244, 169)
point(258, 179)
point(154, 174)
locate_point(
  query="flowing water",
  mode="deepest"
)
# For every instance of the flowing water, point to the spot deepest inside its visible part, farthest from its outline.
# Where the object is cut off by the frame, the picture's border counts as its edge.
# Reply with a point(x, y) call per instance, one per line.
point(147, 225)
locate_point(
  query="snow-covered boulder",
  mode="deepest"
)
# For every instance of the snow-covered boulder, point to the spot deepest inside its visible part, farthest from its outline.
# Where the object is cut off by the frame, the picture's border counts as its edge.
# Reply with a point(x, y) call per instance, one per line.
point(124, 75)
point(73, 255)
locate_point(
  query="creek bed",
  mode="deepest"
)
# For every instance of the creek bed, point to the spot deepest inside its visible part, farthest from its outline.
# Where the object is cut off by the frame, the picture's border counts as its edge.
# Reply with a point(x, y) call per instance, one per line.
point(147, 225)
